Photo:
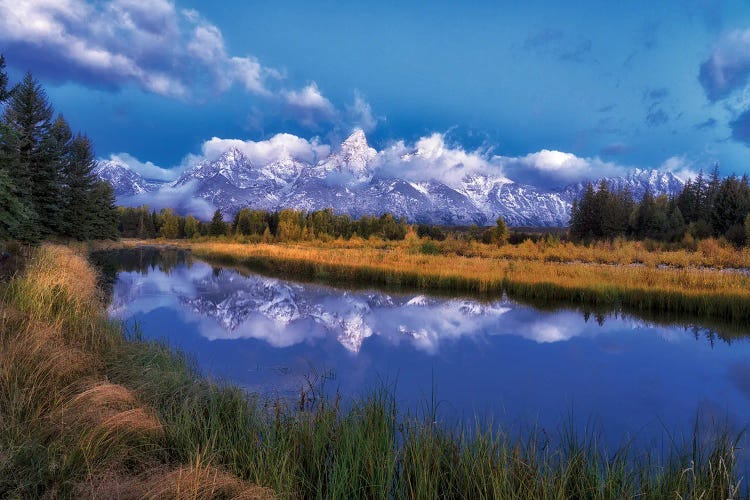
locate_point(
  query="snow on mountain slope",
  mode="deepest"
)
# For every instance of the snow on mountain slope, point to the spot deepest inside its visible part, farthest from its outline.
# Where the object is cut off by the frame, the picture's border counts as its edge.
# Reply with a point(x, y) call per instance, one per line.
point(350, 181)
point(124, 180)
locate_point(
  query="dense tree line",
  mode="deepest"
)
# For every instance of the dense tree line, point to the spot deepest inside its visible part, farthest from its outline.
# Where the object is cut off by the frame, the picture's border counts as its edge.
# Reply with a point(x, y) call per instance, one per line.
point(285, 225)
point(704, 208)
point(47, 184)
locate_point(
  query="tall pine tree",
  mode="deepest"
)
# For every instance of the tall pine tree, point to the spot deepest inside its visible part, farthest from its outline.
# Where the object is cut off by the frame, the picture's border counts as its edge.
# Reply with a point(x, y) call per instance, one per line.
point(80, 183)
point(17, 220)
point(103, 217)
point(36, 171)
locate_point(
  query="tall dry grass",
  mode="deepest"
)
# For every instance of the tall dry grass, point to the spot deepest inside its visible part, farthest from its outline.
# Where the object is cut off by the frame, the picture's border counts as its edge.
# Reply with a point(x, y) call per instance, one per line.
point(63, 423)
point(706, 292)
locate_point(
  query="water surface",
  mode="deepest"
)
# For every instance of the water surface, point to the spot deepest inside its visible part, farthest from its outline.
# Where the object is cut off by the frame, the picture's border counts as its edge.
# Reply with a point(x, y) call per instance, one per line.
point(498, 360)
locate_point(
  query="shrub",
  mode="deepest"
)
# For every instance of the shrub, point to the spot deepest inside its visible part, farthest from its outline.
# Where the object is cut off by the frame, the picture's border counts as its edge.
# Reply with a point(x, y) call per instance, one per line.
point(429, 248)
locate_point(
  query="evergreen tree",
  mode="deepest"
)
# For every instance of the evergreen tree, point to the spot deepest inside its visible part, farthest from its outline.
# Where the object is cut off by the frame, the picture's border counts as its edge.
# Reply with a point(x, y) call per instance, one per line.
point(29, 115)
point(218, 227)
point(687, 201)
point(17, 217)
point(650, 218)
point(103, 217)
point(584, 218)
point(16, 221)
point(731, 204)
point(250, 222)
point(80, 181)
point(676, 226)
point(4, 94)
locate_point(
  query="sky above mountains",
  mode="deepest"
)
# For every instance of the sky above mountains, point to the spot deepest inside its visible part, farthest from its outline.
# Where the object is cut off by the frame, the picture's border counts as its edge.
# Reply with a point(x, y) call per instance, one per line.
point(576, 88)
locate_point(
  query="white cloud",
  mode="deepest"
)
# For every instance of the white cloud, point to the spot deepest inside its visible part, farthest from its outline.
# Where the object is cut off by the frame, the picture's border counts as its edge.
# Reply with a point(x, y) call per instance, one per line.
point(148, 44)
point(160, 49)
point(146, 169)
point(309, 106)
point(309, 97)
point(263, 152)
point(431, 158)
point(550, 168)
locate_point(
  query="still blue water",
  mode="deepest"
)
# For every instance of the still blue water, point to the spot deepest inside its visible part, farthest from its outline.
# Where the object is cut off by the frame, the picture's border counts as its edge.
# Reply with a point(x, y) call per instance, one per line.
point(497, 360)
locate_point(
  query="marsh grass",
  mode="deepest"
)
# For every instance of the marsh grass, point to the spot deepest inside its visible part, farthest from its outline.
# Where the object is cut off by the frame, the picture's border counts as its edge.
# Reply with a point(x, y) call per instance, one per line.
point(704, 292)
point(66, 427)
point(86, 411)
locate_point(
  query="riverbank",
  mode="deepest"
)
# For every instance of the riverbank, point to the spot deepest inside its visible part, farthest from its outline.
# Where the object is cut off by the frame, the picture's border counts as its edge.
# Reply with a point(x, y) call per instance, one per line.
point(88, 412)
point(85, 413)
point(708, 291)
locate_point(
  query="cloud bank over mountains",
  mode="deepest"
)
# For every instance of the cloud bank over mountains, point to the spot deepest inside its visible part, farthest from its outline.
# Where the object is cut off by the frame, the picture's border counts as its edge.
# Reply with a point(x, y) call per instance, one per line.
point(431, 157)
point(429, 180)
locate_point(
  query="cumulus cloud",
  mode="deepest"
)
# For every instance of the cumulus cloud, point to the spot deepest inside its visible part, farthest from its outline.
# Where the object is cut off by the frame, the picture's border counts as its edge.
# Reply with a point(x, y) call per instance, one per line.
point(278, 147)
point(728, 66)
point(146, 169)
point(308, 106)
point(160, 49)
point(152, 45)
point(550, 168)
point(431, 158)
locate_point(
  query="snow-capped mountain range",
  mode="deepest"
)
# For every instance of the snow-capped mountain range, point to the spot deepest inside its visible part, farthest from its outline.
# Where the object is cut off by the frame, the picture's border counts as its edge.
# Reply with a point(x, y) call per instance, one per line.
point(124, 180)
point(349, 181)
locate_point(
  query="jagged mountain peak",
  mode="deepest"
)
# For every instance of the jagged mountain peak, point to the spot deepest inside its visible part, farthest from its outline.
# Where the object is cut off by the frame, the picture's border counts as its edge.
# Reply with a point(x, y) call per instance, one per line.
point(125, 181)
point(356, 140)
point(353, 157)
point(348, 181)
point(233, 156)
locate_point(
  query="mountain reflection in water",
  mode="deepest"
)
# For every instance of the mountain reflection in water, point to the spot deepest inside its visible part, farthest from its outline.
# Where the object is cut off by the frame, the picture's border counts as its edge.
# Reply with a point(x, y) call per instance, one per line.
point(497, 359)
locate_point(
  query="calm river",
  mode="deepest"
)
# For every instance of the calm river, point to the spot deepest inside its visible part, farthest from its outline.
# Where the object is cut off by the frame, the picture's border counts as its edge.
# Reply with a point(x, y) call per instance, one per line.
point(499, 360)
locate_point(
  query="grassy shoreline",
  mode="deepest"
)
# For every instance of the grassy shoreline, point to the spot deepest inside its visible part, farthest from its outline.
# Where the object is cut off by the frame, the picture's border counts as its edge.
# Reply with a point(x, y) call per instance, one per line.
point(87, 412)
point(710, 293)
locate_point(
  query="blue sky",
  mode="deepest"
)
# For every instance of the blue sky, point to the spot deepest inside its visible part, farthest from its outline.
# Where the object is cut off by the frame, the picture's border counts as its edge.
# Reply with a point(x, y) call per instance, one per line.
point(636, 83)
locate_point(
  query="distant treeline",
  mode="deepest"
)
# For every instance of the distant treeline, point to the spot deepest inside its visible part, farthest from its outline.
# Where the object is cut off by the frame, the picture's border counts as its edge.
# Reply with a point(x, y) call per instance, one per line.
point(47, 184)
point(706, 207)
point(260, 225)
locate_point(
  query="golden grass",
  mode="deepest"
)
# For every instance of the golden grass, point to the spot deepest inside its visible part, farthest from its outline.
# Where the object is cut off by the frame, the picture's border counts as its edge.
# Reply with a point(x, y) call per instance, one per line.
point(706, 291)
point(61, 421)
point(703, 253)
point(196, 481)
